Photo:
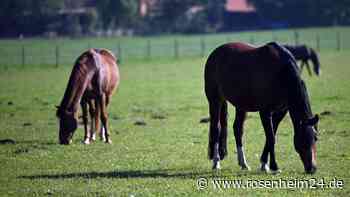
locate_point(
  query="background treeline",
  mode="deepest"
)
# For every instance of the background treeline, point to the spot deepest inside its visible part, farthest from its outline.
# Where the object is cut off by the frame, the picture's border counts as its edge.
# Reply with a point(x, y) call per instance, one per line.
point(115, 17)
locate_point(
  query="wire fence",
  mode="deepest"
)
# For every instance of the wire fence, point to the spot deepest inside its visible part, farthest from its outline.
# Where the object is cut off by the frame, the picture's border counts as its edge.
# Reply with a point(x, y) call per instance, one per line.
point(64, 52)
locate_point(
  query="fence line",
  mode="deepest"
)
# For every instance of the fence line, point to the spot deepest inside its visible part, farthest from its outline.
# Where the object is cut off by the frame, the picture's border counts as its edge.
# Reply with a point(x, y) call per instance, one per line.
point(61, 55)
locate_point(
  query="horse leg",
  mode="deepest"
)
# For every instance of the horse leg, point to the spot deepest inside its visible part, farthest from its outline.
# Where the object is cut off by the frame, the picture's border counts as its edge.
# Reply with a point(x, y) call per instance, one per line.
point(102, 130)
point(214, 132)
point(276, 119)
point(85, 121)
point(104, 116)
point(223, 131)
point(92, 111)
point(302, 66)
point(238, 132)
point(266, 119)
point(308, 67)
point(98, 128)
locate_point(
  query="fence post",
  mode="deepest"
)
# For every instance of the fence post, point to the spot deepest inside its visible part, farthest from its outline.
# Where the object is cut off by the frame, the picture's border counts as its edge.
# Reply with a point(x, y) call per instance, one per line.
point(119, 53)
point(296, 37)
point(57, 56)
point(148, 49)
point(202, 42)
point(176, 49)
point(318, 47)
point(338, 41)
point(23, 56)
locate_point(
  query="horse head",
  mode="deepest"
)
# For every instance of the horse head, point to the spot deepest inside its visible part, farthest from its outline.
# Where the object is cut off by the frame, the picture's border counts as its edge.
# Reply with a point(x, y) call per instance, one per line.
point(68, 124)
point(305, 143)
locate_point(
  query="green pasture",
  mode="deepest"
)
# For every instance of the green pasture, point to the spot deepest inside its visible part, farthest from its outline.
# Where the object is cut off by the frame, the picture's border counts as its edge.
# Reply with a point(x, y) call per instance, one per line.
point(168, 155)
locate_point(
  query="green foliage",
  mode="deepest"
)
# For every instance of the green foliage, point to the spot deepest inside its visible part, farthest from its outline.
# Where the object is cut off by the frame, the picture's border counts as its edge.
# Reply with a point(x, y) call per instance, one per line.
point(30, 16)
point(117, 12)
point(305, 12)
point(88, 21)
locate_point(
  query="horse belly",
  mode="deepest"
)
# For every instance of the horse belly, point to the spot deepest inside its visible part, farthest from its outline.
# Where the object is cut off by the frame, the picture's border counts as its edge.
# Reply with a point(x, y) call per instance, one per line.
point(253, 92)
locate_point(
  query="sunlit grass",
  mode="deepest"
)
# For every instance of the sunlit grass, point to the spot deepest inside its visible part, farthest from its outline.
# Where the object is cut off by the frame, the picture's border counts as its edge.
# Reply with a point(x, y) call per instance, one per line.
point(166, 156)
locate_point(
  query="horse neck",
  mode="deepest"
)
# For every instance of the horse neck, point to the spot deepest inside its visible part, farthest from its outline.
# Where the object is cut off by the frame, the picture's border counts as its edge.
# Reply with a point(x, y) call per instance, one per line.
point(77, 83)
point(299, 105)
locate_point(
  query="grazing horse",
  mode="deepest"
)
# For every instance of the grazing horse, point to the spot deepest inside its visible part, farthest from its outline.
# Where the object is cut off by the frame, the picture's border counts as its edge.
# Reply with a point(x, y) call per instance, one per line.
point(93, 80)
point(304, 54)
point(264, 79)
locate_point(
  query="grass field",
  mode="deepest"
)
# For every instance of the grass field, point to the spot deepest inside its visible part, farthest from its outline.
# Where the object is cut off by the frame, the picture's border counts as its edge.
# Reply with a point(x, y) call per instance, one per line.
point(167, 156)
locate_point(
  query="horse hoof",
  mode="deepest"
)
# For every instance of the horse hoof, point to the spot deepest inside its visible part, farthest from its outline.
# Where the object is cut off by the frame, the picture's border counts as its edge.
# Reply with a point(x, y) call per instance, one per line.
point(108, 141)
point(245, 167)
point(278, 171)
point(264, 168)
point(93, 138)
point(216, 166)
point(87, 141)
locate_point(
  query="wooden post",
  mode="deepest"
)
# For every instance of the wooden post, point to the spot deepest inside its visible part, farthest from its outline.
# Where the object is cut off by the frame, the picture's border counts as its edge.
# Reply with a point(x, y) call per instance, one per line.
point(318, 47)
point(338, 41)
point(23, 56)
point(202, 44)
point(296, 37)
point(176, 49)
point(57, 55)
point(148, 49)
point(119, 53)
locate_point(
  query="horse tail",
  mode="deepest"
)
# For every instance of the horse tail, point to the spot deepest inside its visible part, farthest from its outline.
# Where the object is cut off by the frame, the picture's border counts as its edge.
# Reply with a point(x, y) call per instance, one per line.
point(217, 108)
point(96, 57)
point(315, 61)
point(108, 53)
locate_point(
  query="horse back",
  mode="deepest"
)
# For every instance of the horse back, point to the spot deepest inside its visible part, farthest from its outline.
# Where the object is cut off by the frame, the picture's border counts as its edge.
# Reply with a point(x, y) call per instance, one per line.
point(247, 76)
point(106, 75)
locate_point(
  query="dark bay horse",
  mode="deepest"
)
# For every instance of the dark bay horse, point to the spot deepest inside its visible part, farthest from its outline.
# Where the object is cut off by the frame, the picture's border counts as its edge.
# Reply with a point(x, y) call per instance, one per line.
point(304, 53)
point(94, 78)
point(264, 79)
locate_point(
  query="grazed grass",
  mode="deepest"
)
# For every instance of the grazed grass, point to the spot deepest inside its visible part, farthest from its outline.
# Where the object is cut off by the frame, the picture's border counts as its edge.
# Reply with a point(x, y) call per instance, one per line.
point(167, 155)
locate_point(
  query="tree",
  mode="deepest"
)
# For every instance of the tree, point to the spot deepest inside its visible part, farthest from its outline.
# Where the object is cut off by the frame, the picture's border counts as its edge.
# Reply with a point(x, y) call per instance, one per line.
point(168, 15)
point(29, 16)
point(304, 12)
point(215, 12)
point(117, 12)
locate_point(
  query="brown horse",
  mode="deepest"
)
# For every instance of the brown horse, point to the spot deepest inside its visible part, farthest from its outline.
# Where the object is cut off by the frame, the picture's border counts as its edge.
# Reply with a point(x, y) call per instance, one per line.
point(93, 80)
point(264, 79)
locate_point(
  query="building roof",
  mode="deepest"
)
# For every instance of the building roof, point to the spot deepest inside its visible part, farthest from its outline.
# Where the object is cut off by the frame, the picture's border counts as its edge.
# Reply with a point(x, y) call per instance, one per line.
point(239, 6)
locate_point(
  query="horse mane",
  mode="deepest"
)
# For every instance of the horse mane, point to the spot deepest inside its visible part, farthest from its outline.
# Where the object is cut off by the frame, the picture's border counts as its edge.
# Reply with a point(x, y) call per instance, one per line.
point(298, 96)
point(76, 82)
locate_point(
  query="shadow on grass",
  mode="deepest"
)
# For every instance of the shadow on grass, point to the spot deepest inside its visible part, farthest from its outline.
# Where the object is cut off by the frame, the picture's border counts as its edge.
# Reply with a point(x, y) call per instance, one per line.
point(121, 175)
point(139, 174)
point(36, 142)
